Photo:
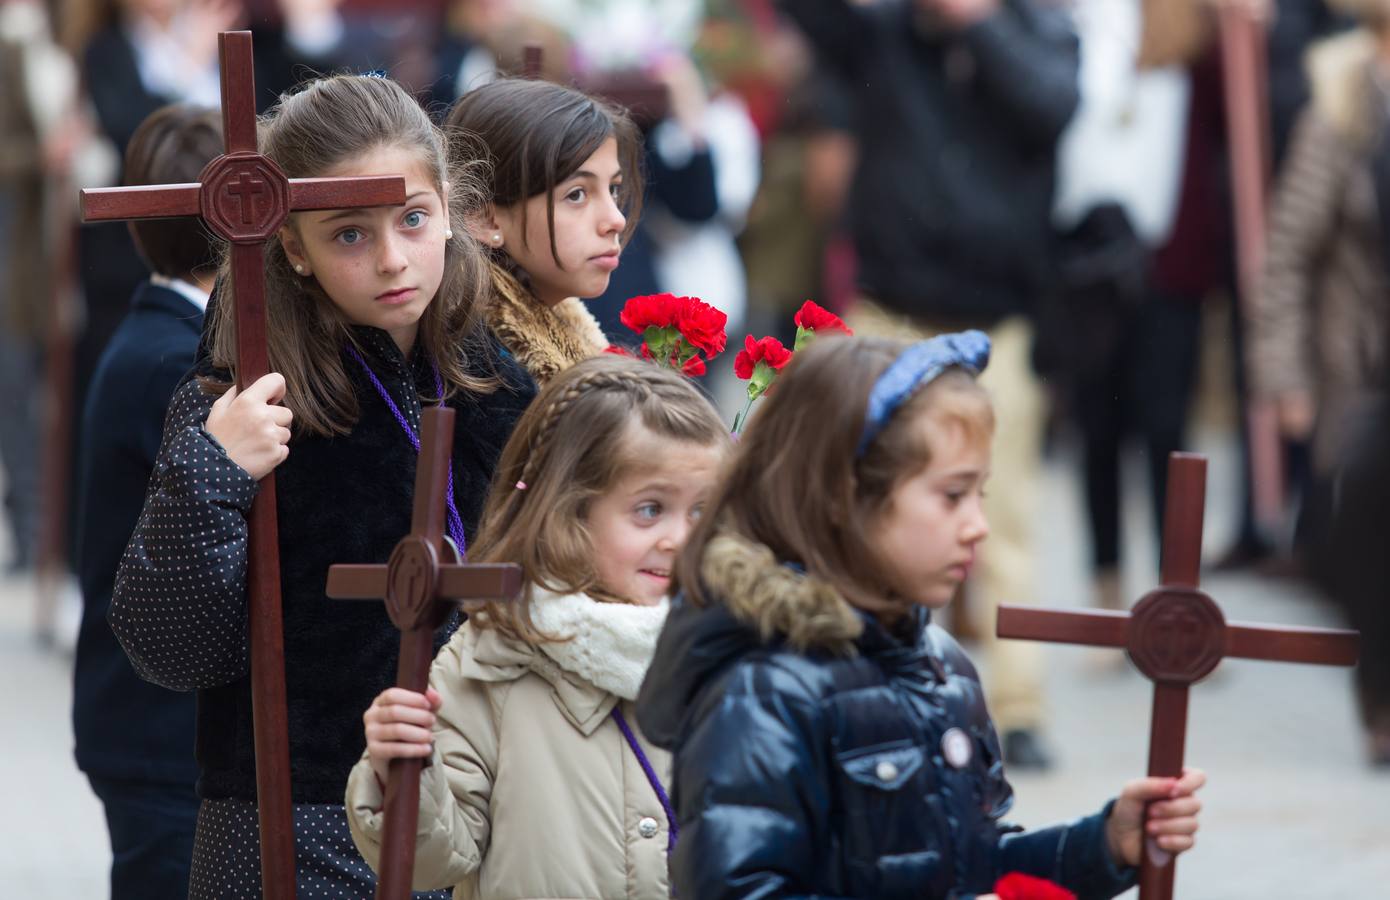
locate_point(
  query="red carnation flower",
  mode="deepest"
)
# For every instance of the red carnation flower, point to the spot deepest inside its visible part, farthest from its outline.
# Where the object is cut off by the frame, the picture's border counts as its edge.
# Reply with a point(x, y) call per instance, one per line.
point(814, 317)
point(652, 311)
point(694, 367)
point(768, 350)
point(702, 325)
point(1017, 886)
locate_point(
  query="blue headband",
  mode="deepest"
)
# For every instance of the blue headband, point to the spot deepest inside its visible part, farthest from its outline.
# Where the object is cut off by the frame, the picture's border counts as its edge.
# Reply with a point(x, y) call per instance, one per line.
point(918, 365)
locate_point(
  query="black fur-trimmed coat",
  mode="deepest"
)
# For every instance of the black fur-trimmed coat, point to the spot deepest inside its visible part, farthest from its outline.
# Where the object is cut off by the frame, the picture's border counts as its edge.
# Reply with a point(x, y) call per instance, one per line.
point(179, 606)
point(817, 753)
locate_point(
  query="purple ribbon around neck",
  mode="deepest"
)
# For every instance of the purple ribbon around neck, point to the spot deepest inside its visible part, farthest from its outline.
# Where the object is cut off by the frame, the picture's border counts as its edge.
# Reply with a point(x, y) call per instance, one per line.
point(455, 522)
point(673, 830)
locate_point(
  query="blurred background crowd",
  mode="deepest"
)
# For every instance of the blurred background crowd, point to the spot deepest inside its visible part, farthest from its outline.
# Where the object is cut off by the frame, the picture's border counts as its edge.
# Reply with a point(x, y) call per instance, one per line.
point(1060, 173)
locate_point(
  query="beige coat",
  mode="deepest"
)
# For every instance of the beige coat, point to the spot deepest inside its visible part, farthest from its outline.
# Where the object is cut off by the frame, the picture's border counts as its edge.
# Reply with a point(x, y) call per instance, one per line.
point(546, 341)
point(1323, 312)
point(533, 792)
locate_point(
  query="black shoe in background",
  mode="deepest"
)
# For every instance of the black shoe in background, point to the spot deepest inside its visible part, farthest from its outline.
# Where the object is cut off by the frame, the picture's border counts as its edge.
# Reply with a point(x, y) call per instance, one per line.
point(1023, 749)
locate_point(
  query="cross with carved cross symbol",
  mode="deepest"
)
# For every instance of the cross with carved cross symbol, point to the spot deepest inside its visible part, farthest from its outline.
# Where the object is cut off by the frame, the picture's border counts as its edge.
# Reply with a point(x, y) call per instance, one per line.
point(244, 198)
point(1176, 635)
point(422, 583)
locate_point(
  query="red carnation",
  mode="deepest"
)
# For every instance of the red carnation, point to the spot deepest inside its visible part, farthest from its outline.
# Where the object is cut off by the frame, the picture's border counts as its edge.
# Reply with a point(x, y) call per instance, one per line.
point(1017, 886)
point(812, 319)
point(653, 311)
point(758, 363)
point(694, 367)
point(702, 325)
point(768, 350)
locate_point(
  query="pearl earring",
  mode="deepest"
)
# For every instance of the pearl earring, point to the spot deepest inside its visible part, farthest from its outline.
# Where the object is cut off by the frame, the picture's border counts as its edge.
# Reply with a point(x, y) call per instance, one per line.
point(448, 234)
point(497, 237)
point(299, 270)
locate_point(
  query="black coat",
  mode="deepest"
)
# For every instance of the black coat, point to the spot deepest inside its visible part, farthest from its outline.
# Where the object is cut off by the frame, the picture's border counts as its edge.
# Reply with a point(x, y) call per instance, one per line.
point(126, 728)
point(179, 607)
point(862, 765)
point(951, 204)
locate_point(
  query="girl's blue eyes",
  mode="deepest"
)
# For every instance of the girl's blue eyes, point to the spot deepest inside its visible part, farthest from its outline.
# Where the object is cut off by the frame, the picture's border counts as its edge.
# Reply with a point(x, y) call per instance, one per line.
point(348, 237)
point(648, 511)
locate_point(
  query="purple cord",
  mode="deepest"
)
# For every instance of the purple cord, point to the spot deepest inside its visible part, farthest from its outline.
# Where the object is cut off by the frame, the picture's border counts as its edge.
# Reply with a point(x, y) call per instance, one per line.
point(651, 777)
point(454, 520)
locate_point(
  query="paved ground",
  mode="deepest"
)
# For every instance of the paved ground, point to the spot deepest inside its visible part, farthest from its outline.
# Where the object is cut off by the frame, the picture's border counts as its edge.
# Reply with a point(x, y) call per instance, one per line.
point(1293, 811)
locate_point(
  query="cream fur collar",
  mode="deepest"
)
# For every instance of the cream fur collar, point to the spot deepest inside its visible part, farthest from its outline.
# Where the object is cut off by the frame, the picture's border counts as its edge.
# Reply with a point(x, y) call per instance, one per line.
point(610, 645)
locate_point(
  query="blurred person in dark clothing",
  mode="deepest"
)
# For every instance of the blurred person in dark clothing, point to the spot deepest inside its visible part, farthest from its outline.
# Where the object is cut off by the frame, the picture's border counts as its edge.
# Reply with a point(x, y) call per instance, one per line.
point(135, 740)
point(958, 106)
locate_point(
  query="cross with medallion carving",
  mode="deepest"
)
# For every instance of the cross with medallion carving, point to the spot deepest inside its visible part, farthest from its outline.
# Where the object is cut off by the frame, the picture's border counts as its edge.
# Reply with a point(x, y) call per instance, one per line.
point(244, 198)
point(422, 583)
point(1176, 635)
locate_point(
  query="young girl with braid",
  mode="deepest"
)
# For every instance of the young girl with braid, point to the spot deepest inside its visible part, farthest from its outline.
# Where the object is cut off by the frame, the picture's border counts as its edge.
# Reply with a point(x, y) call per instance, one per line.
point(540, 784)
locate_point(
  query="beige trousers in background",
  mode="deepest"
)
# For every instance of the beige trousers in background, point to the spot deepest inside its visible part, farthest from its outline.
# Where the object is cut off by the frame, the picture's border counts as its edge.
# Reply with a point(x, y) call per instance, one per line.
point(1006, 569)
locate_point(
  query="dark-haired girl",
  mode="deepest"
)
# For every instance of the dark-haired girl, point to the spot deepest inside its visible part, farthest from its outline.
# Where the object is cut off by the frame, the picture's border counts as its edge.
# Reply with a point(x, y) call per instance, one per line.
point(564, 187)
point(371, 316)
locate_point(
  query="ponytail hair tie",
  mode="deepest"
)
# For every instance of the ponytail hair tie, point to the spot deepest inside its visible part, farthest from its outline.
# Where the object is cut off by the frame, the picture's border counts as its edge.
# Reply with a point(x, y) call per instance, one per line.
point(521, 485)
point(914, 367)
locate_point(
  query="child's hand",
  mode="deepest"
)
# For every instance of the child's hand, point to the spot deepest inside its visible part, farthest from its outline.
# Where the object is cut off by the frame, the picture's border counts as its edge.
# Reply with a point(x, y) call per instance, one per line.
point(398, 725)
point(1172, 818)
point(251, 427)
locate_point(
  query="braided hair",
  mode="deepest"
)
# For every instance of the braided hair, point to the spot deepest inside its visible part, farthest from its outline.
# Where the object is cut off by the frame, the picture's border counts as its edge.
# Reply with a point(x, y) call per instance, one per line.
point(574, 443)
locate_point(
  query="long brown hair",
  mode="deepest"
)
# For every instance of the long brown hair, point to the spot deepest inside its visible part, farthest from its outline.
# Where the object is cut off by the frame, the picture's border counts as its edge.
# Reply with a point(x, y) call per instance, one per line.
point(570, 447)
point(307, 134)
point(795, 483)
point(534, 135)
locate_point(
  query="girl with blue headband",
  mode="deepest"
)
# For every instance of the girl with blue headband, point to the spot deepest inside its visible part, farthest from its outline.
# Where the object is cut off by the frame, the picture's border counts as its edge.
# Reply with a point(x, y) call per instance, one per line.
point(828, 739)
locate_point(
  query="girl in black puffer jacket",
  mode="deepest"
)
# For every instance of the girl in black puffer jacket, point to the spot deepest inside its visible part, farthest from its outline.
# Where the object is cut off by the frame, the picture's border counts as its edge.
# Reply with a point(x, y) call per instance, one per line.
point(828, 739)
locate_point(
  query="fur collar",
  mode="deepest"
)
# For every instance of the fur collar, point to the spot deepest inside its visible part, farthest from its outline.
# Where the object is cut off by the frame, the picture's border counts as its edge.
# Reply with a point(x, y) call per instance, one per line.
point(546, 341)
point(777, 600)
point(1341, 76)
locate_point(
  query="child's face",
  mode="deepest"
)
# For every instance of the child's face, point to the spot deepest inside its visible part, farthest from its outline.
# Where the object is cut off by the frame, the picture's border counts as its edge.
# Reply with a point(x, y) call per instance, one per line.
point(588, 226)
point(379, 266)
point(640, 525)
point(932, 522)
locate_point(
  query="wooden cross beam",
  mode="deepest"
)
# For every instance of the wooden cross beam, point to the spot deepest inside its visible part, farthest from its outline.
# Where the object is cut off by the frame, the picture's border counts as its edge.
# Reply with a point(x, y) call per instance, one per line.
point(421, 583)
point(244, 198)
point(1176, 635)
point(1245, 82)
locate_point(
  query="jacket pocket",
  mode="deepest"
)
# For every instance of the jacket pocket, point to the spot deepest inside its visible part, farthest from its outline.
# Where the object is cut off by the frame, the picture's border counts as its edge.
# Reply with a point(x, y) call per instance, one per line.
point(885, 829)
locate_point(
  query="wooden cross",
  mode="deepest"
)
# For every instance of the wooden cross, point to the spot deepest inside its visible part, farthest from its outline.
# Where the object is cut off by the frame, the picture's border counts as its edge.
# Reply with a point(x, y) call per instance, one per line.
point(1176, 635)
point(244, 198)
point(421, 584)
point(1245, 82)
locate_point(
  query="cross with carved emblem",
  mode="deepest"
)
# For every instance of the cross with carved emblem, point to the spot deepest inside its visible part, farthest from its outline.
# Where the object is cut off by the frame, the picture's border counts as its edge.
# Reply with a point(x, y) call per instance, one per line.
point(422, 583)
point(1176, 635)
point(244, 198)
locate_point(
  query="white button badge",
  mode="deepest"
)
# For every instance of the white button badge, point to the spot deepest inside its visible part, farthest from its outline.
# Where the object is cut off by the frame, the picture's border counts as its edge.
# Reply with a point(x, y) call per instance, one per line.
point(956, 747)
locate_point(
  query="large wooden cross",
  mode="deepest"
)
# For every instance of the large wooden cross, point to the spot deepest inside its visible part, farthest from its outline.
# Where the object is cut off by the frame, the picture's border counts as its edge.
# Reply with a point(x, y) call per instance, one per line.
point(421, 583)
point(1245, 83)
point(1176, 635)
point(244, 198)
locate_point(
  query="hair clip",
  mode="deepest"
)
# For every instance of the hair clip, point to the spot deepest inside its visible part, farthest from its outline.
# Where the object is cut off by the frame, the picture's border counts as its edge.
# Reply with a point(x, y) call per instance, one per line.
point(521, 485)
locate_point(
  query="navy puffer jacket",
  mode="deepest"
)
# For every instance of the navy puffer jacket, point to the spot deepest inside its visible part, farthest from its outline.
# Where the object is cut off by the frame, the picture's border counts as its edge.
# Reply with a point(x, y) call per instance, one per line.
point(819, 754)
